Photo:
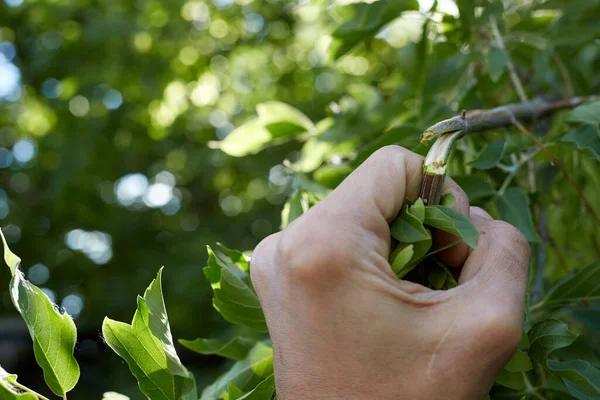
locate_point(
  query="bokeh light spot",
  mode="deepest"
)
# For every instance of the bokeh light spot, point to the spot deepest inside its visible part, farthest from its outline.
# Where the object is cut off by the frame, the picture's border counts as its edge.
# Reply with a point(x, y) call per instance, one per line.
point(158, 195)
point(51, 88)
point(130, 188)
point(112, 99)
point(38, 274)
point(10, 79)
point(72, 304)
point(96, 245)
point(79, 106)
point(13, 3)
point(24, 151)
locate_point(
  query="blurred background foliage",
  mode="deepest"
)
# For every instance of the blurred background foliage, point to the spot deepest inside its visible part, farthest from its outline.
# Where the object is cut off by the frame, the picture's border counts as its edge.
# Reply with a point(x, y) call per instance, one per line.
point(112, 113)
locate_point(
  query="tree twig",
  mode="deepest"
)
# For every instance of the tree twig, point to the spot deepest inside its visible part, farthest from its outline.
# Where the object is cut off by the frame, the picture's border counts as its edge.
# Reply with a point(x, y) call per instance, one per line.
point(511, 67)
point(451, 129)
point(515, 170)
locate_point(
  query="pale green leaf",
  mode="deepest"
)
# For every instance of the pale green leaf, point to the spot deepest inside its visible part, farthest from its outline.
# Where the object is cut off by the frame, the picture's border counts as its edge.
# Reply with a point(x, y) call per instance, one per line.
point(283, 120)
point(147, 347)
point(314, 153)
point(588, 112)
point(234, 298)
point(489, 156)
point(513, 207)
point(8, 390)
point(53, 334)
point(520, 361)
point(586, 136)
point(451, 221)
point(114, 396)
point(249, 138)
point(245, 374)
point(496, 63)
point(580, 377)
point(331, 176)
point(418, 209)
point(400, 258)
point(263, 391)
point(297, 204)
point(581, 284)
point(547, 336)
point(236, 349)
point(233, 392)
point(236, 257)
point(448, 200)
point(407, 228)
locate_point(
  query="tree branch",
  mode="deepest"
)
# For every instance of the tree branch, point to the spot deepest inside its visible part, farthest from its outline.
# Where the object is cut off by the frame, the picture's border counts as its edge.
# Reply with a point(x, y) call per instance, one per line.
point(452, 129)
point(447, 132)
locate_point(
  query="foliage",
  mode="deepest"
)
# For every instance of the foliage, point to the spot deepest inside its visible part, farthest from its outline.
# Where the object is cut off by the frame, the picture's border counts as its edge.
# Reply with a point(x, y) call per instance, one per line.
point(313, 88)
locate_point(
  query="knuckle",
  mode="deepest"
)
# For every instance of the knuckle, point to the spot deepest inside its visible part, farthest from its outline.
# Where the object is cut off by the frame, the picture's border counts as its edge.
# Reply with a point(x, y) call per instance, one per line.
point(264, 257)
point(309, 254)
point(512, 239)
point(394, 156)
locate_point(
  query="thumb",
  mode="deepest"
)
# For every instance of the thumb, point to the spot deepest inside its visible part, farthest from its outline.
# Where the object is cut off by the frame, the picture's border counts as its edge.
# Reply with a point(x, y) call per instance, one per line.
point(497, 268)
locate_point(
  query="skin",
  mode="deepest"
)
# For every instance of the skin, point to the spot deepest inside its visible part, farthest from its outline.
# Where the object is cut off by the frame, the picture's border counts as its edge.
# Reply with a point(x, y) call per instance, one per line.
point(343, 326)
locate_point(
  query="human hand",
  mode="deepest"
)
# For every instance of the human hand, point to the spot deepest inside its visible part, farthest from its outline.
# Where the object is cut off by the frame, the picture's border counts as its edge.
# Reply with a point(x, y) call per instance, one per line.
point(343, 326)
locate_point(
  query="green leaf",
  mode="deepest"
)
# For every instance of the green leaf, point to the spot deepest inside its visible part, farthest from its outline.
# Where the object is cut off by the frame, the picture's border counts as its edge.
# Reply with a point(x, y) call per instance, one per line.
point(236, 257)
point(263, 391)
point(233, 392)
point(297, 205)
point(547, 336)
point(448, 200)
point(437, 277)
point(400, 258)
point(440, 277)
point(586, 136)
point(581, 284)
point(8, 390)
point(580, 377)
point(147, 347)
point(496, 63)
point(331, 176)
point(249, 138)
point(418, 209)
point(245, 374)
point(283, 120)
point(114, 396)
point(513, 207)
point(512, 380)
point(407, 228)
point(53, 334)
point(588, 112)
point(451, 221)
point(474, 186)
point(314, 153)
point(236, 349)
point(489, 156)
point(364, 20)
point(234, 298)
point(520, 361)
